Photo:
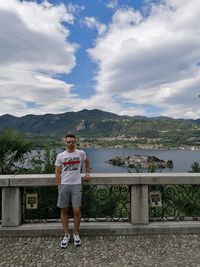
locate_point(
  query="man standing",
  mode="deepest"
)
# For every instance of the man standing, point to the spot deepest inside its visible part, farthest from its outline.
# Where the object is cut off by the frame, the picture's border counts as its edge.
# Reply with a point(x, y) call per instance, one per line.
point(68, 178)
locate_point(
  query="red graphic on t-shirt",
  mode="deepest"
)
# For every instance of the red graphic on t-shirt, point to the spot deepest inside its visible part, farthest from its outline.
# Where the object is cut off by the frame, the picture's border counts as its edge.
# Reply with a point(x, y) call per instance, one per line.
point(71, 164)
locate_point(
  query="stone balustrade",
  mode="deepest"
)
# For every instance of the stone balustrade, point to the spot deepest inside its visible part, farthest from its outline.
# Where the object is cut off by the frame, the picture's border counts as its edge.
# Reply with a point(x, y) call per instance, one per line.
point(138, 182)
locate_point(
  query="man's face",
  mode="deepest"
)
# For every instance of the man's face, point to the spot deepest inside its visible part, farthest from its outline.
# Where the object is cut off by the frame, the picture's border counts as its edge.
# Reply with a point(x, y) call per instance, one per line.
point(70, 143)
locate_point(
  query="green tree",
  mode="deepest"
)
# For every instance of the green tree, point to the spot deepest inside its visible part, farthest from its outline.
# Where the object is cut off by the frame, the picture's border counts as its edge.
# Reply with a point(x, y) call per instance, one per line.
point(44, 159)
point(14, 149)
point(195, 167)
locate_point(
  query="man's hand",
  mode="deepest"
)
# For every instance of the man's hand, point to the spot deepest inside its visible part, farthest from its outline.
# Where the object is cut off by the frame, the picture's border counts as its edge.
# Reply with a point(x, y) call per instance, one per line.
point(86, 177)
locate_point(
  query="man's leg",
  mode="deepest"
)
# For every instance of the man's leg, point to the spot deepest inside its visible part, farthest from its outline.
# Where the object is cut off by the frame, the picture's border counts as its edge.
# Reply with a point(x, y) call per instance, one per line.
point(76, 204)
point(76, 191)
point(64, 220)
point(77, 219)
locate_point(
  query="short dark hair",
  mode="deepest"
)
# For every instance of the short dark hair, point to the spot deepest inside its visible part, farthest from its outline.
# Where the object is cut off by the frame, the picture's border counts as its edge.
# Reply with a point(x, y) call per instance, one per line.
point(71, 135)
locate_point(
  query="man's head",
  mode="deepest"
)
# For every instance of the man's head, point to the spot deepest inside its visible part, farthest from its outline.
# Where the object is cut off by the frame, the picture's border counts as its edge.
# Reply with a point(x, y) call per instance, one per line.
point(70, 141)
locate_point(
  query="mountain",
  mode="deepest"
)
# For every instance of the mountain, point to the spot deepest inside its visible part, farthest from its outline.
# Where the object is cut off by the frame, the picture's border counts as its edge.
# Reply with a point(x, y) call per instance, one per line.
point(55, 123)
point(100, 124)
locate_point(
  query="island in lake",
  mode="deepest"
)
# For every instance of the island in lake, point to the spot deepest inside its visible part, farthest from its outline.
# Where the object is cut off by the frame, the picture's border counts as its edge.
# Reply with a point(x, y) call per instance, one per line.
point(140, 161)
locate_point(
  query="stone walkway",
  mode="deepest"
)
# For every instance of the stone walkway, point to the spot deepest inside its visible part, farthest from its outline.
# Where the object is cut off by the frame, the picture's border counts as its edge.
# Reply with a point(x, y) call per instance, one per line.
point(102, 251)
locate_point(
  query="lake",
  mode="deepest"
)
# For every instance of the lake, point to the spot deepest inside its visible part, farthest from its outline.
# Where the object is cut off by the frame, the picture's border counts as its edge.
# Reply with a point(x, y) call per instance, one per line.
point(182, 159)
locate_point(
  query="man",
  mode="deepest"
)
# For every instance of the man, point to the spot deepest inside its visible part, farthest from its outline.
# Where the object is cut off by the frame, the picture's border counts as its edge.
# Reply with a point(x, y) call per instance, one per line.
point(68, 178)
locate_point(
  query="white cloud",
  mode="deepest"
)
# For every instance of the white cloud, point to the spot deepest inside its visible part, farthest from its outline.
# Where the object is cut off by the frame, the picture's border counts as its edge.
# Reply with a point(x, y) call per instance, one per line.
point(34, 50)
point(112, 4)
point(144, 59)
point(93, 23)
point(152, 58)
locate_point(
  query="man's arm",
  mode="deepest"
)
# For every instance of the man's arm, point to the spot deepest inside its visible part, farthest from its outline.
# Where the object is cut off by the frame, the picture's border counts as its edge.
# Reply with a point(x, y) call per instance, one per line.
point(87, 169)
point(57, 174)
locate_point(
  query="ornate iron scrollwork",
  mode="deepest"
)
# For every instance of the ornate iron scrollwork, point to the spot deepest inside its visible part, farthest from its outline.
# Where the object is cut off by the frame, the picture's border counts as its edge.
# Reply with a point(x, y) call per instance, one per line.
point(106, 203)
point(47, 211)
point(99, 203)
point(179, 202)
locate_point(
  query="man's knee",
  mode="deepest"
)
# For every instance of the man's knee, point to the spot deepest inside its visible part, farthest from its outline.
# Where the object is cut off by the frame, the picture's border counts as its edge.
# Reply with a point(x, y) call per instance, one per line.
point(77, 211)
point(64, 211)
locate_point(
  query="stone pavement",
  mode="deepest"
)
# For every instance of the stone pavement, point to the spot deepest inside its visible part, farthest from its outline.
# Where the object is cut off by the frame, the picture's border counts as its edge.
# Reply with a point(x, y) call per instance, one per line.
point(172, 250)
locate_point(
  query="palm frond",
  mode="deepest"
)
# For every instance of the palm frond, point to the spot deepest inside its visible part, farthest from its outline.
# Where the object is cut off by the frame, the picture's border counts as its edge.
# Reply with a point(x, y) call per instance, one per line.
point(14, 148)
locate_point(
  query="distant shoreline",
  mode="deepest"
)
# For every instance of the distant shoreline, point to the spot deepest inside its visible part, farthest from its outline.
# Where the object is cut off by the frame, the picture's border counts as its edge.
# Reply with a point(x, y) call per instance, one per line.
point(144, 148)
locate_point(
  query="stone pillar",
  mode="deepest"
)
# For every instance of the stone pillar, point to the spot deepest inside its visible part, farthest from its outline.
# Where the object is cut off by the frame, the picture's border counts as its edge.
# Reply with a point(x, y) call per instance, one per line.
point(11, 206)
point(139, 204)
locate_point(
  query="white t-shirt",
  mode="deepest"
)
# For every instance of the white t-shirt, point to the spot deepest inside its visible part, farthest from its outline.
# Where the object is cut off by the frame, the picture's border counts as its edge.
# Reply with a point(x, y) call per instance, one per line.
point(71, 166)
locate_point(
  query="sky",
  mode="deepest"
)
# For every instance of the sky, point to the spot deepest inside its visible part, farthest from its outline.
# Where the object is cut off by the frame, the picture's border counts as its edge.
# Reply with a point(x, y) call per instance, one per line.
point(129, 57)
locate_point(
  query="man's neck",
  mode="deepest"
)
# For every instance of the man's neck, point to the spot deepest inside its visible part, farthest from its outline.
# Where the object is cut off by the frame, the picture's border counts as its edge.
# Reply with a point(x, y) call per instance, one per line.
point(70, 151)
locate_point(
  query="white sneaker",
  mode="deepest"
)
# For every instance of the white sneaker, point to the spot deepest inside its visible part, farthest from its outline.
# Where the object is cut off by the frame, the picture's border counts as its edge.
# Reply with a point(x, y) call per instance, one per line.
point(77, 240)
point(65, 241)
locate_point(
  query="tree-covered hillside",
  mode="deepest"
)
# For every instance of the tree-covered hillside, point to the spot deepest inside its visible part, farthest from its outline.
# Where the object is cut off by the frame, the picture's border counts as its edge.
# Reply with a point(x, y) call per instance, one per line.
point(107, 128)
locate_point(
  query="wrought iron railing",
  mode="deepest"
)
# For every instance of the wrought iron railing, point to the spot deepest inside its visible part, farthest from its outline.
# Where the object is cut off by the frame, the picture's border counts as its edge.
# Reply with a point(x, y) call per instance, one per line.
point(99, 203)
point(179, 202)
point(46, 210)
point(112, 203)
